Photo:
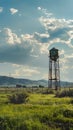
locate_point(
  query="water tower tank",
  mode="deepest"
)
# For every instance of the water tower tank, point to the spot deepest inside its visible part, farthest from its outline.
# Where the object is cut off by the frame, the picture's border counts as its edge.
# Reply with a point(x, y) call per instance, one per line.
point(54, 54)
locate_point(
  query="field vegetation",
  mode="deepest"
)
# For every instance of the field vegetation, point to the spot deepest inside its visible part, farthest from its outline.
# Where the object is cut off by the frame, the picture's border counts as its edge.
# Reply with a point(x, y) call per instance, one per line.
point(40, 109)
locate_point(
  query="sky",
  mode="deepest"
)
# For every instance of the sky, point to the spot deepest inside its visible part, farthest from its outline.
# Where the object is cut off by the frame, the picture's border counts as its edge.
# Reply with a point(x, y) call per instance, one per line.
point(28, 30)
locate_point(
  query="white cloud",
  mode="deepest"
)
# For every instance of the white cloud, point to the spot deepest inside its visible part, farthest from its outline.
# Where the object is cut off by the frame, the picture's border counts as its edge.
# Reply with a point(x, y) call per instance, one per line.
point(35, 41)
point(16, 65)
point(52, 23)
point(41, 35)
point(11, 37)
point(39, 8)
point(66, 65)
point(25, 71)
point(13, 11)
point(44, 11)
point(45, 76)
point(61, 52)
point(44, 49)
point(1, 9)
point(59, 30)
point(26, 37)
point(69, 56)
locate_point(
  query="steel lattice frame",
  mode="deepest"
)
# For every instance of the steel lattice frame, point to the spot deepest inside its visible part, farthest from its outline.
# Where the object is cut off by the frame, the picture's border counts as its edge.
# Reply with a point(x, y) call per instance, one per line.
point(54, 74)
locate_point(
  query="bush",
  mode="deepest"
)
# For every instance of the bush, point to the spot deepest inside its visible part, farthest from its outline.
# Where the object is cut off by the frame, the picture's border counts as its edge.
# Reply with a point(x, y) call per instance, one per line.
point(50, 91)
point(71, 101)
point(41, 86)
point(18, 98)
point(65, 93)
point(68, 113)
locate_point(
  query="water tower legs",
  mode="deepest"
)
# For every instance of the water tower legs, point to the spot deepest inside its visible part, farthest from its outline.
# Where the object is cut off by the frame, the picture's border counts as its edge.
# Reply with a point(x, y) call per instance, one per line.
point(54, 74)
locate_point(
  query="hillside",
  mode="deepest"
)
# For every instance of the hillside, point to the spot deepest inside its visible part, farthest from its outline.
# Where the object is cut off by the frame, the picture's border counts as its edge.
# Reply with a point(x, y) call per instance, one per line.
point(4, 80)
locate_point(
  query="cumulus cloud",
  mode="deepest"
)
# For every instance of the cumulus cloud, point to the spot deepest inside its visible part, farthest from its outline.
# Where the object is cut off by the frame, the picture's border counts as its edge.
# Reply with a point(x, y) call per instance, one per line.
point(66, 67)
point(28, 72)
point(24, 49)
point(39, 8)
point(1, 9)
point(25, 71)
point(59, 30)
point(42, 38)
point(11, 37)
point(44, 11)
point(13, 11)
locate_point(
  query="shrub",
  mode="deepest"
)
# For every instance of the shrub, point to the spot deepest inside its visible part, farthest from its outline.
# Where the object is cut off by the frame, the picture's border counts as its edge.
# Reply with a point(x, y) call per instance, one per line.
point(64, 123)
point(65, 93)
point(50, 91)
point(18, 98)
point(68, 113)
point(71, 101)
point(41, 86)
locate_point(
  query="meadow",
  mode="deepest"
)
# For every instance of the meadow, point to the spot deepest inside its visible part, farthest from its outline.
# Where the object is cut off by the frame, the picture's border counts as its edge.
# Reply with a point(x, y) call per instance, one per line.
point(41, 111)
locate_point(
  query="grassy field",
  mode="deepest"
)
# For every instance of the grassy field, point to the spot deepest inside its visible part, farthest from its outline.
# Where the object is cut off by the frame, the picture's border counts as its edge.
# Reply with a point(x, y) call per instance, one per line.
point(40, 112)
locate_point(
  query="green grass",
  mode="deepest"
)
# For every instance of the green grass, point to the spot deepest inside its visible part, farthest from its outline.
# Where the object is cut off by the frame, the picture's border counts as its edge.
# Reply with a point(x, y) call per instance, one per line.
point(40, 112)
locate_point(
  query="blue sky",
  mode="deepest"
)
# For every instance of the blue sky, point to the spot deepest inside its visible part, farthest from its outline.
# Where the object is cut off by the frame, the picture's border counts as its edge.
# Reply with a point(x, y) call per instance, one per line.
point(28, 29)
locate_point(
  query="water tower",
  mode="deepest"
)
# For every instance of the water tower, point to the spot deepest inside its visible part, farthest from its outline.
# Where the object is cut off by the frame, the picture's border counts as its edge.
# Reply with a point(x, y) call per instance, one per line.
point(54, 70)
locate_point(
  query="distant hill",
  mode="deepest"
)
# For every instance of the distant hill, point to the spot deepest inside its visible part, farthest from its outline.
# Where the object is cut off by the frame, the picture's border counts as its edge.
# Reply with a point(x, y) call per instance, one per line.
point(4, 81)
